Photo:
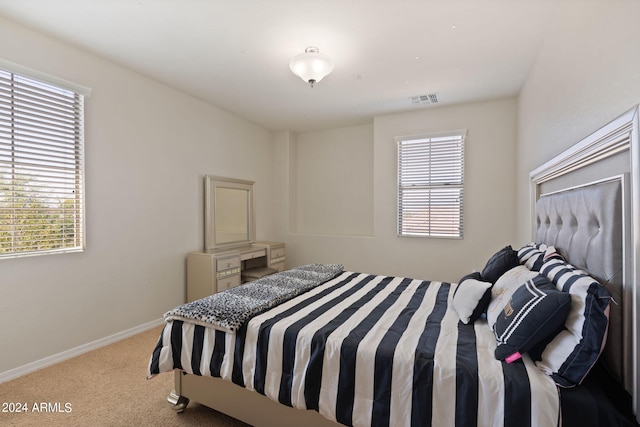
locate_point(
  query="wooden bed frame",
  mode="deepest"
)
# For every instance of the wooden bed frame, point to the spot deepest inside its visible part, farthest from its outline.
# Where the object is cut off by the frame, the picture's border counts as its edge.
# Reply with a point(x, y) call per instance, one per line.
point(619, 137)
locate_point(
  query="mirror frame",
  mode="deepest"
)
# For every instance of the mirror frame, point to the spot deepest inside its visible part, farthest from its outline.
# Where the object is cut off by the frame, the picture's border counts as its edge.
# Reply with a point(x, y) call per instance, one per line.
point(211, 183)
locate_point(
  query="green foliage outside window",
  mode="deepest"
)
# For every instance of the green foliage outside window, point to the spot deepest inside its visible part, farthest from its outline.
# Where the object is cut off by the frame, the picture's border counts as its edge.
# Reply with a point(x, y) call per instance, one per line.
point(29, 223)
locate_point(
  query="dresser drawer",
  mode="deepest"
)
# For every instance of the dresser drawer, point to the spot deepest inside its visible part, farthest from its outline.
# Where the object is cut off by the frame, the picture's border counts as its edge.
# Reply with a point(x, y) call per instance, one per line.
point(278, 266)
point(253, 254)
point(228, 263)
point(228, 283)
point(277, 252)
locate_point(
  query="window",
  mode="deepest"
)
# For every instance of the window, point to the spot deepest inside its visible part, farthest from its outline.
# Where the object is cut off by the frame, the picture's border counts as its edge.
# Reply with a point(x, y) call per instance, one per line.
point(430, 185)
point(41, 167)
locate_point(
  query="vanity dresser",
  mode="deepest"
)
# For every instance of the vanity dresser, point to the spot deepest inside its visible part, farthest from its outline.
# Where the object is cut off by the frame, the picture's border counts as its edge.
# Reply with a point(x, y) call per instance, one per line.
point(231, 255)
point(215, 270)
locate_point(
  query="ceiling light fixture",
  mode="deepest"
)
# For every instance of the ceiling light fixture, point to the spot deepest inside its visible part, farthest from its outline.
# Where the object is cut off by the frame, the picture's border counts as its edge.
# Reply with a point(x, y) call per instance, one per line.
point(311, 66)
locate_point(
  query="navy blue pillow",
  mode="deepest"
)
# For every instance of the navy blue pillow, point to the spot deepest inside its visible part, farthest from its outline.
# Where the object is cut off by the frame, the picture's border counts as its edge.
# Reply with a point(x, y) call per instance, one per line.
point(572, 353)
point(501, 262)
point(475, 275)
point(537, 309)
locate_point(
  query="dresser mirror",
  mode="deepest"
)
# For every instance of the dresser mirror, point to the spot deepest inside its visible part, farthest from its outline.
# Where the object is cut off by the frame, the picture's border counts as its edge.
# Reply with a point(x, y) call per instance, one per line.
point(228, 214)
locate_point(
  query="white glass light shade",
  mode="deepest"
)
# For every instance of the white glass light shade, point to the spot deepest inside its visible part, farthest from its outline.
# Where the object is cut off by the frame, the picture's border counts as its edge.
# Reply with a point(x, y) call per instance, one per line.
point(311, 66)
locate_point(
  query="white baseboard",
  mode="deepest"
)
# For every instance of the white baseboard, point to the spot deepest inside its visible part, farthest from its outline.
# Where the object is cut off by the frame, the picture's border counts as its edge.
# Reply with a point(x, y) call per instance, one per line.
point(68, 354)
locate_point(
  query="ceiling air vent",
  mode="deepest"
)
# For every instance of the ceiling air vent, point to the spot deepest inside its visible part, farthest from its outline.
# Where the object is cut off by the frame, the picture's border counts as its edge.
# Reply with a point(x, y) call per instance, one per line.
point(426, 99)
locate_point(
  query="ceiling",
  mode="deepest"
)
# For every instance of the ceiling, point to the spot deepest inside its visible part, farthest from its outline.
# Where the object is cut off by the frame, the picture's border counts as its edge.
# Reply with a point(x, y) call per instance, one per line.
point(235, 53)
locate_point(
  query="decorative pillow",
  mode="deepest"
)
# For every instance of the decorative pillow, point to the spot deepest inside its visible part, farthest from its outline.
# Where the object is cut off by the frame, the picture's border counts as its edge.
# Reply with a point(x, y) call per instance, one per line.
point(501, 262)
point(534, 255)
point(471, 297)
point(571, 354)
point(505, 286)
point(535, 311)
point(552, 253)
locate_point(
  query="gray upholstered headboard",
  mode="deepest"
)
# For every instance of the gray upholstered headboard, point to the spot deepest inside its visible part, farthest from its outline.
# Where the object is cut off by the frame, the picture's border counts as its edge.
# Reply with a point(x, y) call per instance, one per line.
point(586, 225)
point(598, 228)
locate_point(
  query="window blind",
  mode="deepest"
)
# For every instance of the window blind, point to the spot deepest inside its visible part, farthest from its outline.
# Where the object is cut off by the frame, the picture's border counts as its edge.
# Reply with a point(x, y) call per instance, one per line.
point(41, 167)
point(430, 185)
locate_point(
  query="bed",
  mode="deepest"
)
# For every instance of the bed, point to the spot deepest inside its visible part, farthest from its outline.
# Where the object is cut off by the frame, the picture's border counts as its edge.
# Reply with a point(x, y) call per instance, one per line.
point(521, 342)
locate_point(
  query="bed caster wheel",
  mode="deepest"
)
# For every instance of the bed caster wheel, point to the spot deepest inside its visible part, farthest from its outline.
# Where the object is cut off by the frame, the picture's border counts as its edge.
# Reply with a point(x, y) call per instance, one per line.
point(178, 403)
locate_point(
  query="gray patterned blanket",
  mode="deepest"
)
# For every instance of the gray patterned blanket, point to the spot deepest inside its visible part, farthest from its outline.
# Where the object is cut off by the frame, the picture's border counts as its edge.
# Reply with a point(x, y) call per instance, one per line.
point(230, 309)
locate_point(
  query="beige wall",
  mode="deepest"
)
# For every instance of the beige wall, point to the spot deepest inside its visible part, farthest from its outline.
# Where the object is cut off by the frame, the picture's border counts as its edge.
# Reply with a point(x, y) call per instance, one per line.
point(332, 191)
point(489, 195)
point(586, 74)
point(147, 150)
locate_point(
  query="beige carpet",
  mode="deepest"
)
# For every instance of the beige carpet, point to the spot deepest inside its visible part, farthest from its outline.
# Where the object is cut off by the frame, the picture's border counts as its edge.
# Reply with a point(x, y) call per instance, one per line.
point(105, 387)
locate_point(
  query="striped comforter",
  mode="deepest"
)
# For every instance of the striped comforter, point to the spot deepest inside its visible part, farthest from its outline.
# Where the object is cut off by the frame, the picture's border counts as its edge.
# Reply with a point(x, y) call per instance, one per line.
point(367, 350)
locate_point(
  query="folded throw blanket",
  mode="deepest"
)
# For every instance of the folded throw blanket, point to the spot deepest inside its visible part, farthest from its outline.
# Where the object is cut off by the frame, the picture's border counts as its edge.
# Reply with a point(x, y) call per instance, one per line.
point(230, 309)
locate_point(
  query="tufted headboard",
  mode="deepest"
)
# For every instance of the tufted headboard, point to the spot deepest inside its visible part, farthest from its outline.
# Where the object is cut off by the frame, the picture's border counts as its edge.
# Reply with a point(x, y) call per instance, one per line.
point(586, 225)
point(597, 228)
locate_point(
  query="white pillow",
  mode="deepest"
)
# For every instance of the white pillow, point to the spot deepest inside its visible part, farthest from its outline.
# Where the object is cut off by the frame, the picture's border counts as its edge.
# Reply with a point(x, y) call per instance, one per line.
point(504, 288)
point(467, 297)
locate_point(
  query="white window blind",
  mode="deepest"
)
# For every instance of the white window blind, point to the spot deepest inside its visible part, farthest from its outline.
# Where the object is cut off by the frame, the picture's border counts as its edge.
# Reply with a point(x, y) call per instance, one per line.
point(430, 185)
point(41, 167)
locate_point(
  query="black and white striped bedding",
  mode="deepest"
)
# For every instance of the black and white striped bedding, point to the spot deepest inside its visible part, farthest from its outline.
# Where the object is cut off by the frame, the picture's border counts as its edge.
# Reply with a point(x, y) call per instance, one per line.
point(368, 350)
